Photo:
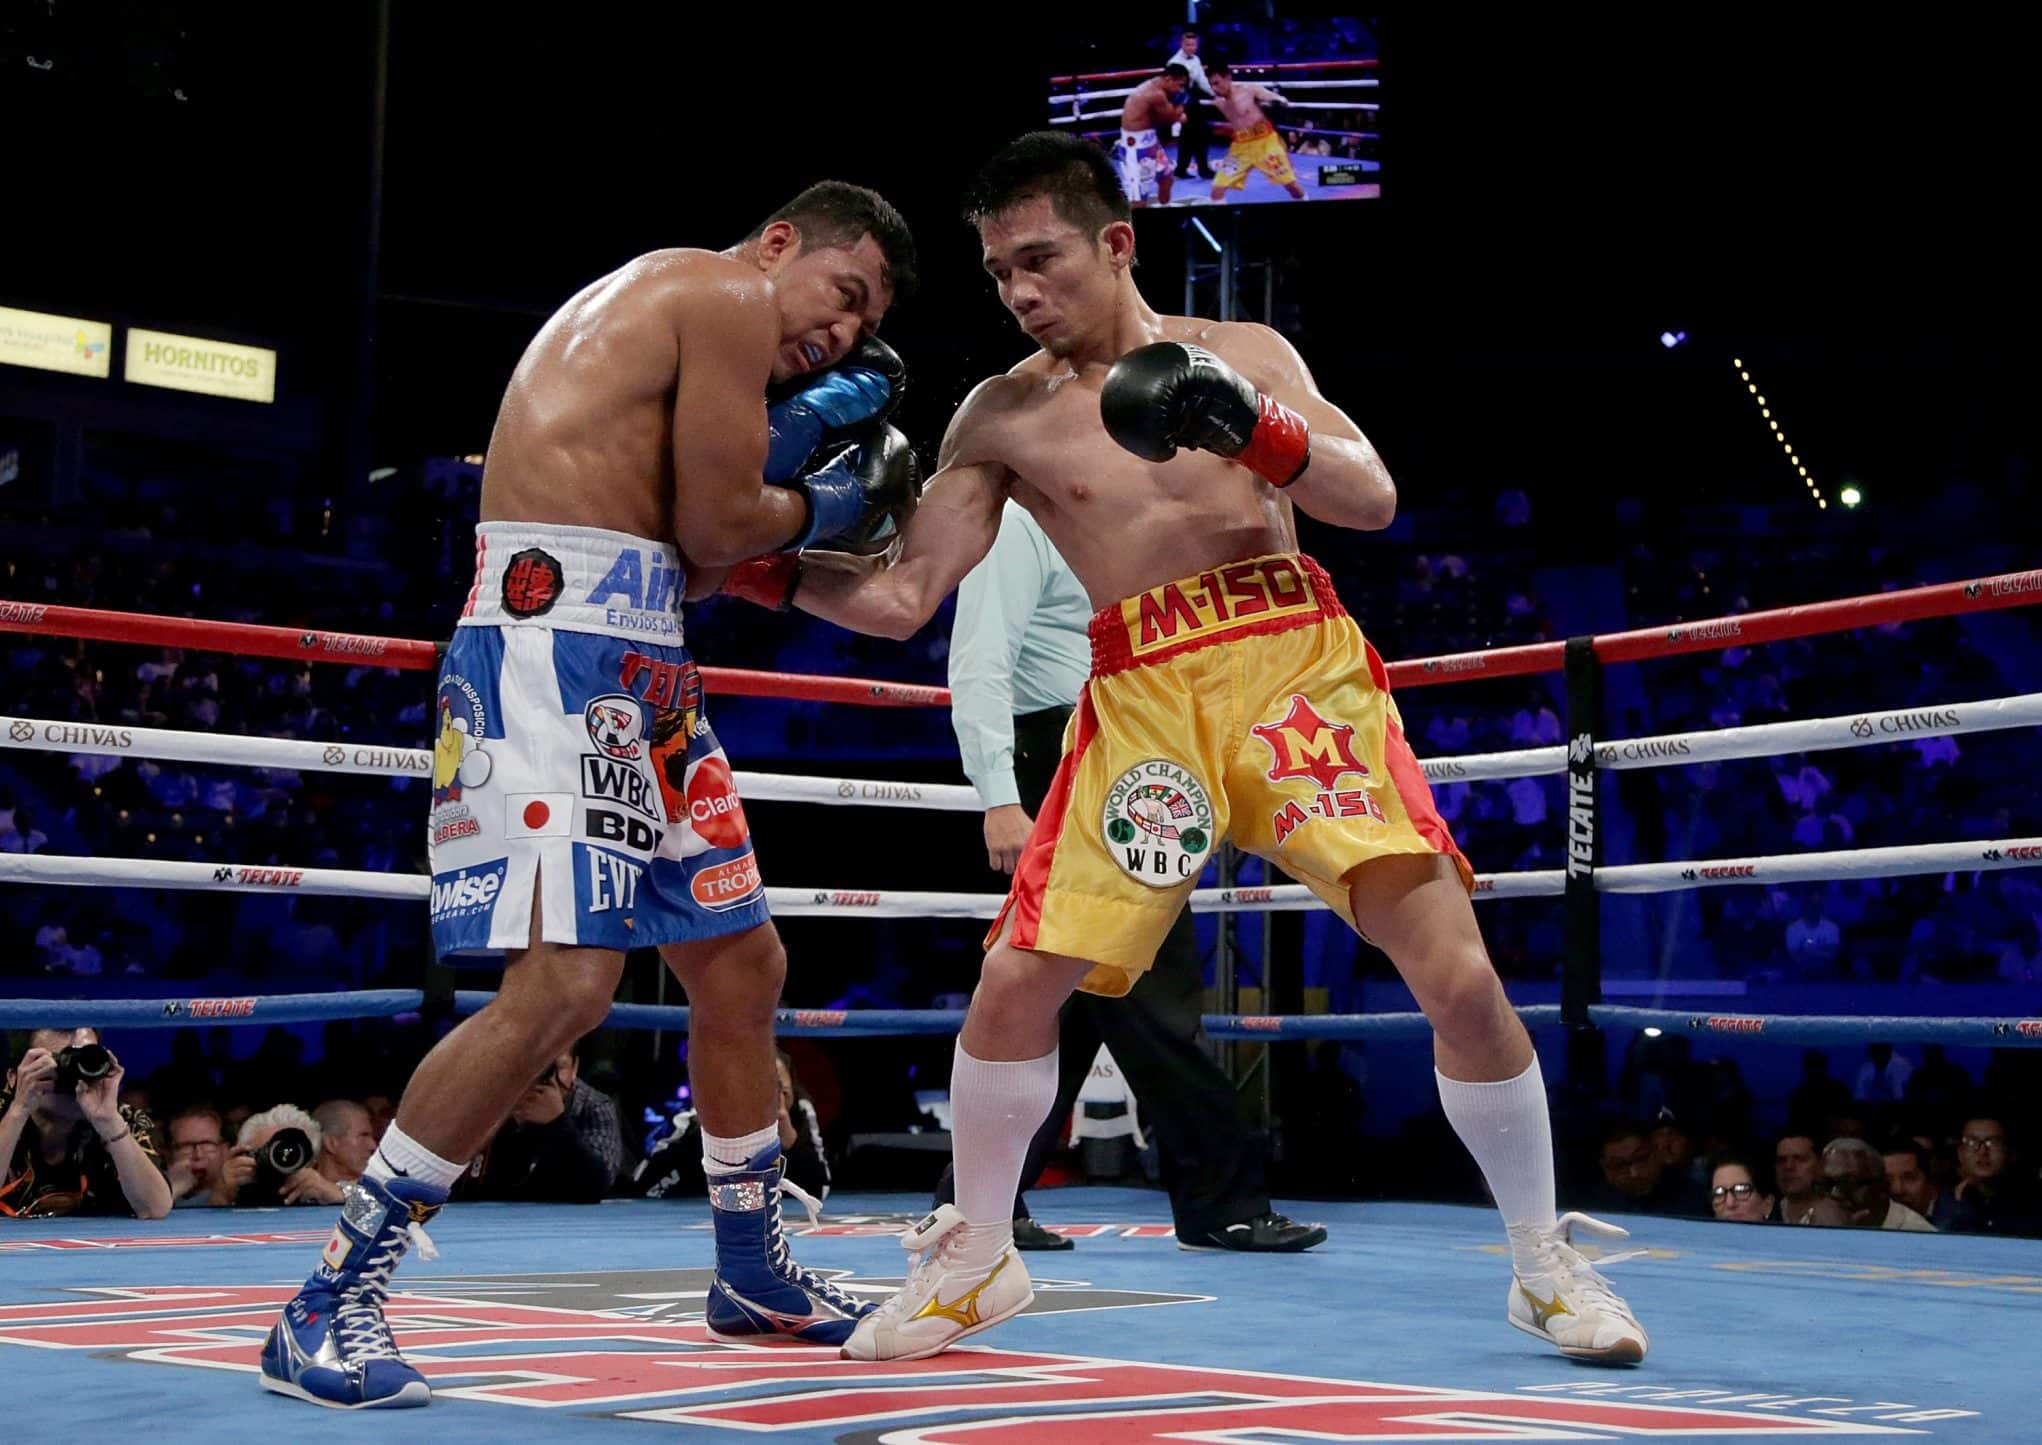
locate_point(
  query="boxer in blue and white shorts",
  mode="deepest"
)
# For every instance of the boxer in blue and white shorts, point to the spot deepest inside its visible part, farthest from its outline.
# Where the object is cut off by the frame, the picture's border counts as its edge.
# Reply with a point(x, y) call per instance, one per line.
point(1151, 106)
point(573, 759)
point(581, 805)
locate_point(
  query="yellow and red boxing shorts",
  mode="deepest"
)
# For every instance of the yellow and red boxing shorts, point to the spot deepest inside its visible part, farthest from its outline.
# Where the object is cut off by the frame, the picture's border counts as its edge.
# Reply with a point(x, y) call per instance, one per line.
point(1242, 700)
point(1258, 148)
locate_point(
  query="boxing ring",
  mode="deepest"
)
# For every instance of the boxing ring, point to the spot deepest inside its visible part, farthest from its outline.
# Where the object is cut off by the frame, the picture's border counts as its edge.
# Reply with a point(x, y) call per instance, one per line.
point(1392, 1330)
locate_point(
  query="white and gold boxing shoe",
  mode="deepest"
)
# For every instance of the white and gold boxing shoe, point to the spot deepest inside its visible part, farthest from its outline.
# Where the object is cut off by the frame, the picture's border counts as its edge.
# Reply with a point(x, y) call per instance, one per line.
point(1558, 1296)
point(963, 1281)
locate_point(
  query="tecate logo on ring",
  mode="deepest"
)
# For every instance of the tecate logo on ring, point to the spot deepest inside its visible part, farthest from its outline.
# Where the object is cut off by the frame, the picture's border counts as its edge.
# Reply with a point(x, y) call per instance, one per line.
point(1733, 1024)
point(22, 612)
point(1262, 1024)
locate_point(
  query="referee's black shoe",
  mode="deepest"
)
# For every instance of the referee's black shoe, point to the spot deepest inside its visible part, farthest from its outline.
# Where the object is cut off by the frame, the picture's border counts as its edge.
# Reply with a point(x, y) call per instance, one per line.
point(1264, 1234)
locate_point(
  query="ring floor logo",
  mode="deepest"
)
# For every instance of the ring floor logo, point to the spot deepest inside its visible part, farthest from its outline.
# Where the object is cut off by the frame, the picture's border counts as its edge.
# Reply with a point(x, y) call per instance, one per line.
point(632, 1345)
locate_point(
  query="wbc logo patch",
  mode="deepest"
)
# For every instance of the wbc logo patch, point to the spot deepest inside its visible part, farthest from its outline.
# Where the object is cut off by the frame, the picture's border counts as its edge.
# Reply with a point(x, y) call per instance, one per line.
point(1158, 824)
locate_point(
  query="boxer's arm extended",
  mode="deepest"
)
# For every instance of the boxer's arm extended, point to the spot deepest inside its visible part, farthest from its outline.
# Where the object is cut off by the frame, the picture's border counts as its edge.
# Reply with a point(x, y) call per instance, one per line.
point(949, 534)
point(1345, 482)
point(724, 512)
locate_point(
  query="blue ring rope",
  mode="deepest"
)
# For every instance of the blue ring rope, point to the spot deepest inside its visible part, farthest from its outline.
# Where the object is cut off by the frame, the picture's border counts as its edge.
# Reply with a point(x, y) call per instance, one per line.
point(22, 1013)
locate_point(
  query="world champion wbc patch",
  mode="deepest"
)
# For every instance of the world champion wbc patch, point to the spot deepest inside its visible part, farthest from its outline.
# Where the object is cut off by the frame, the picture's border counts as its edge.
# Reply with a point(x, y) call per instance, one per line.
point(1158, 823)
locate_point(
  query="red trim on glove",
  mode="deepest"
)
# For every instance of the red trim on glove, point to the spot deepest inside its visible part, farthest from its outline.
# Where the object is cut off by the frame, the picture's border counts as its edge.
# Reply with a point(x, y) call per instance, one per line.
point(767, 581)
point(1280, 447)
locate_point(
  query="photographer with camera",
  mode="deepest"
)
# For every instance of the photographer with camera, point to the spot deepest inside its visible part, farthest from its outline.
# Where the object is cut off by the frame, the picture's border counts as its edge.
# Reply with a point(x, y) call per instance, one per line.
point(561, 1145)
point(67, 1145)
point(272, 1160)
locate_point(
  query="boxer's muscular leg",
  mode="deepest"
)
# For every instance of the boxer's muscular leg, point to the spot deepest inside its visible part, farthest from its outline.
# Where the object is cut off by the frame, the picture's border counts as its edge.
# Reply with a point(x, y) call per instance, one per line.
point(552, 994)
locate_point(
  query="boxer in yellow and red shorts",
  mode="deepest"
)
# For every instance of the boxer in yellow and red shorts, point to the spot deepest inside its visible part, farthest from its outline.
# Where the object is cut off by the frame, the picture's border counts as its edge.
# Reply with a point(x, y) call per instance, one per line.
point(1256, 145)
point(1243, 700)
point(1238, 699)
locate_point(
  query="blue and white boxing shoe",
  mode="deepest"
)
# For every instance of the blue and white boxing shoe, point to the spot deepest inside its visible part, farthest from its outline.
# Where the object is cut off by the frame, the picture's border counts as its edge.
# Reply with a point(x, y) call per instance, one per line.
point(333, 1346)
point(760, 1295)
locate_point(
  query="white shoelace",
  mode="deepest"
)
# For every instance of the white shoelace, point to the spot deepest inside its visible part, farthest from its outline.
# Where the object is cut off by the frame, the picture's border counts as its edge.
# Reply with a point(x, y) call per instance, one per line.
point(1560, 1261)
point(358, 1321)
point(781, 1259)
point(941, 1251)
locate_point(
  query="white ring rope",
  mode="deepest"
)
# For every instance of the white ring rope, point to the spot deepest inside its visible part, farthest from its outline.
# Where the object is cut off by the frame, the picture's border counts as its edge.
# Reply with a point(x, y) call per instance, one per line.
point(1664, 750)
point(1294, 105)
point(880, 903)
point(1079, 96)
point(1759, 740)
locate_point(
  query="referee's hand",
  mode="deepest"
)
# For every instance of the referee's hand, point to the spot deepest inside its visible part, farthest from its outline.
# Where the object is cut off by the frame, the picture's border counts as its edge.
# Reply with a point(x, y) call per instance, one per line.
point(1007, 830)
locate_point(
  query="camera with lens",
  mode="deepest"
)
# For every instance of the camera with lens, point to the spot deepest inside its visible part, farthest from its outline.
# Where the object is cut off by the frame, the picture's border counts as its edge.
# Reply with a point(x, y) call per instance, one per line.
point(287, 1151)
point(81, 1064)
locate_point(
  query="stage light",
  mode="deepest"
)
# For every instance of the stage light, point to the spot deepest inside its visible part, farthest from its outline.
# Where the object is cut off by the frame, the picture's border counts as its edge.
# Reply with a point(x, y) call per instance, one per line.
point(1652, 1033)
point(1671, 339)
point(1850, 496)
point(1765, 413)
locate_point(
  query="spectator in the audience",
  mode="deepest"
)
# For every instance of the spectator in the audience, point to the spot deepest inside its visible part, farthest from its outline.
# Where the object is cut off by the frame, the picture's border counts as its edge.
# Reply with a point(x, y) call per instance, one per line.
point(382, 1109)
point(259, 1175)
point(1735, 1194)
point(1939, 1087)
point(1796, 1172)
point(1986, 1181)
point(80, 1152)
point(561, 1144)
point(1635, 1178)
point(1813, 940)
point(672, 1169)
point(1818, 1098)
point(1908, 1180)
point(198, 1151)
point(345, 1140)
point(1883, 1078)
point(1854, 1179)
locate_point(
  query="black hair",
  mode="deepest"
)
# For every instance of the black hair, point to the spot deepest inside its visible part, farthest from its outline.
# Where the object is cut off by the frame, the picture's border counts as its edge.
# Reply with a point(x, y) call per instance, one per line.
point(1079, 180)
point(1177, 71)
point(839, 214)
point(1219, 67)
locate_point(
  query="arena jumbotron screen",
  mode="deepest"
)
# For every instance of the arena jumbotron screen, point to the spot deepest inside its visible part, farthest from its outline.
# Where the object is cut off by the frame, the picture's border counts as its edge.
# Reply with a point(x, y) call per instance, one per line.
point(1272, 109)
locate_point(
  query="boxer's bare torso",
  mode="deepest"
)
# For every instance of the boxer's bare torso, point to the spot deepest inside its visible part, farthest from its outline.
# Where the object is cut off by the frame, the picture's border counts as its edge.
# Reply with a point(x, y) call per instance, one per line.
point(1150, 107)
point(1124, 524)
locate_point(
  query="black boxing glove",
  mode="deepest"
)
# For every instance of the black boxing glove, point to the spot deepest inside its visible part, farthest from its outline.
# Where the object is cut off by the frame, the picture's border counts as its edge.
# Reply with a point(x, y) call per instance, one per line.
point(1169, 395)
point(860, 391)
point(874, 356)
point(861, 499)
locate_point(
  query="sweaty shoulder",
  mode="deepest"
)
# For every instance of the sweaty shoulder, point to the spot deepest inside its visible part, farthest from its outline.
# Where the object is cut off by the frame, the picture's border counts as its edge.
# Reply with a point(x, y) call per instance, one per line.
point(704, 286)
point(972, 436)
point(1258, 352)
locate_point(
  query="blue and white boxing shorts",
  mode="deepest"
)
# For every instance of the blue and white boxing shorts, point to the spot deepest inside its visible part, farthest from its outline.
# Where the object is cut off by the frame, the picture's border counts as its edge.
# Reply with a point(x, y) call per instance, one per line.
point(572, 756)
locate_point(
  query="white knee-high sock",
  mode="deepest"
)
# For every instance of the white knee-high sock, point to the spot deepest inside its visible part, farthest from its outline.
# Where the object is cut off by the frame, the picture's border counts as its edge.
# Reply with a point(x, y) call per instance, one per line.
point(995, 1109)
point(1507, 1128)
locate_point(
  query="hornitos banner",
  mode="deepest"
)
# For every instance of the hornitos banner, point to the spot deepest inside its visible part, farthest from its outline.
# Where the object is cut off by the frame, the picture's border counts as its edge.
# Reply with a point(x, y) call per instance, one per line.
point(197, 363)
point(55, 343)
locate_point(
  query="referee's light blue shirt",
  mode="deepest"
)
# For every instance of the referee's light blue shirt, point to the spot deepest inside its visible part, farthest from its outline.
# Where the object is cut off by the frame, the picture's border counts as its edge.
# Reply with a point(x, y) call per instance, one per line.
point(1018, 646)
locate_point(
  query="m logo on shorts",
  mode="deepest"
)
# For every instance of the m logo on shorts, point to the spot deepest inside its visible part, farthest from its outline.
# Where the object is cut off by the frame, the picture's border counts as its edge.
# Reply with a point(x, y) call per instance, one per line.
point(1304, 745)
point(1158, 823)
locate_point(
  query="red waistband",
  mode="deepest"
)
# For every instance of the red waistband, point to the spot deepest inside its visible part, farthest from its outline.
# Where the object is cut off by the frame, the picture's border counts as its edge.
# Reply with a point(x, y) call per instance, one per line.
point(1255, 596)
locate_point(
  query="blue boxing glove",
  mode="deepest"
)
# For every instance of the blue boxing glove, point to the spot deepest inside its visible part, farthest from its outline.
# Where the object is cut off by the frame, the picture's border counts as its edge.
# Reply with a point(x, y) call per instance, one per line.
point(863, 388)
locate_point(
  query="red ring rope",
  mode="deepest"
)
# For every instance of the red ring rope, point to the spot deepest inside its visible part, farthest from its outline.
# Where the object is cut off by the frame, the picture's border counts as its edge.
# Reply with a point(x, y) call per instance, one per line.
point(1915, 604)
